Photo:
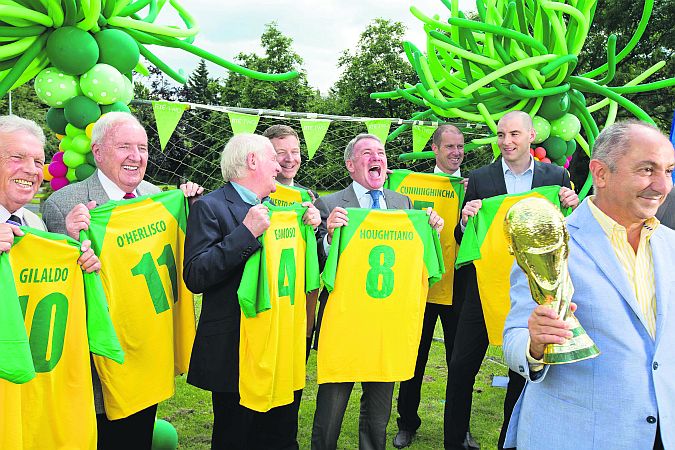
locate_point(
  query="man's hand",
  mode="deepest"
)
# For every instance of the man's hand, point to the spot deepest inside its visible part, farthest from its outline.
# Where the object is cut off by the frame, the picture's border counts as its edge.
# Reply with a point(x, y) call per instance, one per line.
point(191, 189)
point(78, 219)
point(312, 216)
point(568, 198)
point(435, 220)
point(257, 220)
point(336, 219)
point(546, 328)
point(470, 210)
point(88, 259)
point(7, 233)
point(465, 182)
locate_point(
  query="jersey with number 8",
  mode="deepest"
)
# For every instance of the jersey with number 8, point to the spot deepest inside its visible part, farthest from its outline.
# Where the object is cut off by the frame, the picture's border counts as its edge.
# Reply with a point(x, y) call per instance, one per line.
point(140, 244)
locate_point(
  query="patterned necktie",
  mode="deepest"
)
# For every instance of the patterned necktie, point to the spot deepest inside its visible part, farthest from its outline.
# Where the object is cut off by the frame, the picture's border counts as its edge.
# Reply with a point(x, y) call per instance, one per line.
point(375, 194)
point(14, 220)
point(129, 195)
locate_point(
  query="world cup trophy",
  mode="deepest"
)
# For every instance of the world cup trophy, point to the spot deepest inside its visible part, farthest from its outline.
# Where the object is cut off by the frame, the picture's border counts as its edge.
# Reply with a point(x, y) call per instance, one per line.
point(537, 237)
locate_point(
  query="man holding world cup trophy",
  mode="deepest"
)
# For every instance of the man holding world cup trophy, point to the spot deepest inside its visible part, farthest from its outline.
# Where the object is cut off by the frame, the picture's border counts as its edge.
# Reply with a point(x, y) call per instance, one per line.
point(620, 264)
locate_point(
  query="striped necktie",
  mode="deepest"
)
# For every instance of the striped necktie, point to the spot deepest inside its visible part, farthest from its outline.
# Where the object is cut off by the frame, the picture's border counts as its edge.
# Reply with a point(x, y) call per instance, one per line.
point(14, 220)
point(375, 194)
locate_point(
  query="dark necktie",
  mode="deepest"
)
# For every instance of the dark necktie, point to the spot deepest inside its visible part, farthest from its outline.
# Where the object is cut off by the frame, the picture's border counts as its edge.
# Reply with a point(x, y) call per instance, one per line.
point(129, 195)
point(375, 194)
point(14, 220)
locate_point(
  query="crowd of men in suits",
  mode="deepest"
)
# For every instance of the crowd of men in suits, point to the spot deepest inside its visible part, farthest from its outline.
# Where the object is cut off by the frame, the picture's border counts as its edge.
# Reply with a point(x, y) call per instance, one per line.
point(632, 164)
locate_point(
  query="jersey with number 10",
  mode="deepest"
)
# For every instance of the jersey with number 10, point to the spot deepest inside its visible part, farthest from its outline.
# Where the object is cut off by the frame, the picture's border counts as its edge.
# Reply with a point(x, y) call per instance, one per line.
point(485, 245)
point(140, 244)
point(65, 316)
point(445, 194)
point(287, 195)
point(378, 272)
point(274, 320)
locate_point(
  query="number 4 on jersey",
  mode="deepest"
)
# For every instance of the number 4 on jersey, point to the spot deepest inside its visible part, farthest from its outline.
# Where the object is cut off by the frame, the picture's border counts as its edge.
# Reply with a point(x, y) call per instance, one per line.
point(286, 282)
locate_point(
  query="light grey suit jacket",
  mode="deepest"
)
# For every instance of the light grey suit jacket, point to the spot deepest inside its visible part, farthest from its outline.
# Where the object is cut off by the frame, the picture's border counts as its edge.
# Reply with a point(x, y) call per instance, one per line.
point(33, 221)
point(611, 401)
point(666, 213)
point(60, 203)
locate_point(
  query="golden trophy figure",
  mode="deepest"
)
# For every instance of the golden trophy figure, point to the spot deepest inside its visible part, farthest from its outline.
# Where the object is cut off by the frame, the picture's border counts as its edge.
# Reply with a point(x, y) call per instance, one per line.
point(537, 236)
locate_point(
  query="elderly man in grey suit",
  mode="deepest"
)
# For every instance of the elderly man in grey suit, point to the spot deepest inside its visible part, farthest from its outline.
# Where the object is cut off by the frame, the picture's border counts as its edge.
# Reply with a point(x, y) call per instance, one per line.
point(120, 147)
point(366, 162)
point(666, 213)
point(22, 160)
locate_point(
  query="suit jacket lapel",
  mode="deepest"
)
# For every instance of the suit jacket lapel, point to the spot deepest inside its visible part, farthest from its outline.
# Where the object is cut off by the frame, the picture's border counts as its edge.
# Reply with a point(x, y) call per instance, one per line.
point(238, 206)
point(95, 190)
point(537, 176)
point(349, 199)
point(497, 177)
point(591, 238)
point(663, 280)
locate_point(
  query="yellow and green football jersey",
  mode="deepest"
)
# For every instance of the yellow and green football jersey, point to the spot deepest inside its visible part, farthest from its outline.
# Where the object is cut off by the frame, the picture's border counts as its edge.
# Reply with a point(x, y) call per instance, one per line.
point(445, 194)
point(274, 319)
point(140, 244)
point(287, 195)
point(378, 272)
point(66, 317)
point(485, 245)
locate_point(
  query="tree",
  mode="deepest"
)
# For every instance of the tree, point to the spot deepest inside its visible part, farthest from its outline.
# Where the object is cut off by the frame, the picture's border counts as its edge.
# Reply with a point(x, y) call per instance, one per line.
point(290, 95)
point(376, 65)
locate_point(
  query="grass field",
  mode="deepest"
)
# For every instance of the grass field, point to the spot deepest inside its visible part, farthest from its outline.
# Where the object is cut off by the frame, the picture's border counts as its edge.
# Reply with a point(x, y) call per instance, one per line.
point(190, 409)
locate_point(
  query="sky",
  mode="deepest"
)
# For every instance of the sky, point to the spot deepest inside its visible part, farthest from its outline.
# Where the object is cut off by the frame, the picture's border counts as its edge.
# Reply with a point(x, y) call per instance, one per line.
point(321, 29)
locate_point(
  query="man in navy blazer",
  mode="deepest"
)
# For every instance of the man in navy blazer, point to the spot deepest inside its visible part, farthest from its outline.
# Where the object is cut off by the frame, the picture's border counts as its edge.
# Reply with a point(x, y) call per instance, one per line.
point(620, 263)
point(222, 233)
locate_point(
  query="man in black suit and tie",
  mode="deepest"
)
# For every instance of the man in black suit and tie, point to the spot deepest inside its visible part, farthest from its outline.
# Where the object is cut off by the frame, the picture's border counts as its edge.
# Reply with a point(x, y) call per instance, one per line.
point(515, 172)
point(222, 233)
point(366, 162)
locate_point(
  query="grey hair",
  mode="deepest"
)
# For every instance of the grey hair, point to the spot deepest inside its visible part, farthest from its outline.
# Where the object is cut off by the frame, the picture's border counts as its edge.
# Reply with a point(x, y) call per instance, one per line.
point(12, 124)
point(108, 122)
point(349, 149)
point(233, 158)
point(438, 133)
point(614, 141)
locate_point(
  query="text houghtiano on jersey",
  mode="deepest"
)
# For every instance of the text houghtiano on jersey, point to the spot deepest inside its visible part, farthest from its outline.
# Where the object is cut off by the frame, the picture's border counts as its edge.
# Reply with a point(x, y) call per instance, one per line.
point(287, 195)
point(274, 319)
point(378, 272)
point(485, 245)
point(64, 313)
point(445, 194)
point(140, 244)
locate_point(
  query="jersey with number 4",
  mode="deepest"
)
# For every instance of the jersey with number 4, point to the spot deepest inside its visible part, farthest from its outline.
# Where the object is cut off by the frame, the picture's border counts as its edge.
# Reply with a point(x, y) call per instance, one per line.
point(274, 318)
point(65, 317)
point(140, 244)
point(485, 245)
point(378, 272)
point(287, 195)
point(445, 194)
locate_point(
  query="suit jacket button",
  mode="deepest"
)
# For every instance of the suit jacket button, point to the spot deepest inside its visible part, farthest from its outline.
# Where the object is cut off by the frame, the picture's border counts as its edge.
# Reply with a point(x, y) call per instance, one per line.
point(651, 419)
point(655, 365)
point(521, 369)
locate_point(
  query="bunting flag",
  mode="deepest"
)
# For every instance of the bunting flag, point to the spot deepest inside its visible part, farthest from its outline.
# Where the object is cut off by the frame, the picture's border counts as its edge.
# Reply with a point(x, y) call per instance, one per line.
point(243, 123)
point(313, 131)
point(167, 116)
point(379, 128)
point(421, 135)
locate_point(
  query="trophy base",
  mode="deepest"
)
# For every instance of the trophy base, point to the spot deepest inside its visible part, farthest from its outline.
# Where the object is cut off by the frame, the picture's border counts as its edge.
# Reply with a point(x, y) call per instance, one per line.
point(579, 347)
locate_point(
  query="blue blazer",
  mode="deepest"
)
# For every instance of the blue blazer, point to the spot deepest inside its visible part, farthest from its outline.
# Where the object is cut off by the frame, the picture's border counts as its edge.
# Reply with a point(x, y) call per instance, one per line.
point(611, 401)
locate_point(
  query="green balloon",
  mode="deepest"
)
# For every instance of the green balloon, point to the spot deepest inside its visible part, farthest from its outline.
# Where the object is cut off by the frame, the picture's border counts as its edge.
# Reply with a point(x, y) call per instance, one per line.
point(90, 159)
point(81, 144)
point(81, 111)
point(571, 147)
point(117, 107)
point(84, 171)
point(71, 175)
point(560, 161)
point(164, 436)
point(72, 130)
point(55, 87)
point(542, 128)
point(72, 50)
point(66, 143)
point(555, 147)
point(103, 84)
point(566, 127)
point(117, 49)
point(128, 94)
point(554, 106)
point(56, 120)
point(73, 159)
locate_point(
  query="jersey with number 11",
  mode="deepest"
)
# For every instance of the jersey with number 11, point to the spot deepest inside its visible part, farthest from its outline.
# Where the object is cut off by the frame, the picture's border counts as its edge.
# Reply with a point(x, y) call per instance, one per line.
point(140, 244)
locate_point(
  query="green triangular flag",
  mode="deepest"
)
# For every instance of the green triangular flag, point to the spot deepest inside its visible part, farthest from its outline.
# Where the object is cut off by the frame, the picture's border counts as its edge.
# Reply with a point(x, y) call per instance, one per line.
point(167, 116)
point(421, 135)
point(313, 131)
point(379, 127)
point(243, 123)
